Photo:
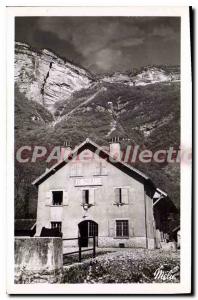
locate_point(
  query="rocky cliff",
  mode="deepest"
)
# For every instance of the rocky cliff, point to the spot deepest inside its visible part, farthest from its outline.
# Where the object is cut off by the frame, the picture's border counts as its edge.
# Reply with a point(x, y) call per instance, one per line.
point(46, 78)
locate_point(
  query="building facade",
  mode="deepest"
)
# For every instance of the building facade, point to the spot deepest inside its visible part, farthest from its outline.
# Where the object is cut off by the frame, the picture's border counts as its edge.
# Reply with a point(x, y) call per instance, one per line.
point(92, 193)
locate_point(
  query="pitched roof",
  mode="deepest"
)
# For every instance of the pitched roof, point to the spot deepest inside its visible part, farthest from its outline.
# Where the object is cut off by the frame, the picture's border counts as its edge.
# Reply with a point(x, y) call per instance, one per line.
point(159, 194)
point(162, 198)
point(88, 144)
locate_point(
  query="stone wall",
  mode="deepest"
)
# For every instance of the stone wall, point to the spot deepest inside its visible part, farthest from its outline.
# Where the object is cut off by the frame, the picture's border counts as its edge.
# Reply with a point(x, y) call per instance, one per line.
point(134, 242)
point(38, 260)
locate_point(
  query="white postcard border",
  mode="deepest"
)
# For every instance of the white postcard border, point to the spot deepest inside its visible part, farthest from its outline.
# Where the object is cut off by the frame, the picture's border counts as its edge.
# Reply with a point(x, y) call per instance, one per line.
point(186, 134)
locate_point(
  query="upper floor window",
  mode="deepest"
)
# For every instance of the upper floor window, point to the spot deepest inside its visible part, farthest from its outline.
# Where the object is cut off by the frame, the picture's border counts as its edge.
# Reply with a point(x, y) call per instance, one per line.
point(85, 196)
point(122, 228)
point(121, 196)
point(57, 197)
point(88, 197)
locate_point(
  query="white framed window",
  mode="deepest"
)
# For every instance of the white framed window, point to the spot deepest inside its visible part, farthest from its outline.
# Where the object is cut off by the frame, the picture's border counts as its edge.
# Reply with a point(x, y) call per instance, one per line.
point(121, 195)
point(122, 228)
point(85, 195)
point(57, 197)
point(88, 196)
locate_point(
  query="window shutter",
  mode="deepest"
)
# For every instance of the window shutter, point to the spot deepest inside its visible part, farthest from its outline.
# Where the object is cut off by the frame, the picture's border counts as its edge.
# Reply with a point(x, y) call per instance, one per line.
point(48, 200)
point(92, 196)
point(125, 195)
point(65, 198)
point(117, 195)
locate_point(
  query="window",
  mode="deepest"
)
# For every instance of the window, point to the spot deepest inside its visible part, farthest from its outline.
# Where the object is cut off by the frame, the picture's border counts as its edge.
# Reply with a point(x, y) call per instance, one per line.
point(57, 197)
point(122, 228)
point(118, 195)
point(88, 197)
point(85, 196)
point(121, 196)
point(56, 225)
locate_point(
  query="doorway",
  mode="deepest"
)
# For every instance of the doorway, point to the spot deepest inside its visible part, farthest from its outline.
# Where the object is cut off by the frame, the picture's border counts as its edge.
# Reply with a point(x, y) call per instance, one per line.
point(87, 229)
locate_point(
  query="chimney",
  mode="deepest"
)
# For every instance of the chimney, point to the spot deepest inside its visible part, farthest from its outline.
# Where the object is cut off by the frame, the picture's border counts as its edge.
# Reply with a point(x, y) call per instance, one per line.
point(65, 150)
point(114, 148)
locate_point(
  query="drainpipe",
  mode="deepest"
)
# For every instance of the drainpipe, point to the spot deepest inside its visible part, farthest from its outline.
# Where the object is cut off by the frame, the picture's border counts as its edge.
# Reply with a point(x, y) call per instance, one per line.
point(145, 212)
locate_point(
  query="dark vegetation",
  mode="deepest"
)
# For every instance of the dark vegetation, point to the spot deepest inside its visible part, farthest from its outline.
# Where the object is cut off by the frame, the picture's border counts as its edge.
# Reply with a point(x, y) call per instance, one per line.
point(74, 258)
point(129, 266)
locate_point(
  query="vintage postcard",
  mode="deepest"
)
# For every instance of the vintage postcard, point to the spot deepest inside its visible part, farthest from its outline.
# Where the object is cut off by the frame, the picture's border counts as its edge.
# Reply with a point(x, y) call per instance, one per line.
point(99, 111)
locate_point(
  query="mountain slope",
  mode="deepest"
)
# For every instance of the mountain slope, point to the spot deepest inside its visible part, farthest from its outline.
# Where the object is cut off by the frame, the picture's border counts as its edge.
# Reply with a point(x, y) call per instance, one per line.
point(147, 115)
point(142, 110)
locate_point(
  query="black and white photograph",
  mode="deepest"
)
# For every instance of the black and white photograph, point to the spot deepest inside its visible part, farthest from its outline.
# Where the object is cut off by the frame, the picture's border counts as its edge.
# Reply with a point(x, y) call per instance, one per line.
point(99, 150)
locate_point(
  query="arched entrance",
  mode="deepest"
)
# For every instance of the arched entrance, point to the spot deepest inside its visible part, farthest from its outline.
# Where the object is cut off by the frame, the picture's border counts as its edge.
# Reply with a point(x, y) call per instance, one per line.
point(87, 228)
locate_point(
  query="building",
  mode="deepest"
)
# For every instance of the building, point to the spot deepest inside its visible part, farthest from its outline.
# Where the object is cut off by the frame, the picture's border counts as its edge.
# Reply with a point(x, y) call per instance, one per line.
point(92, 193)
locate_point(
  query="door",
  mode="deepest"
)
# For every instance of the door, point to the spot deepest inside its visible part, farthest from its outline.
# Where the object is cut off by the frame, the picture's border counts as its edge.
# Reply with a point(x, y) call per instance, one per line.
point(87, 229)
point(83, 233)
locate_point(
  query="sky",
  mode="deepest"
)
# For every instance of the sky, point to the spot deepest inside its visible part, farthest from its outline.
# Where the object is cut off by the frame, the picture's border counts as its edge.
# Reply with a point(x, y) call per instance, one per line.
point(105, 44)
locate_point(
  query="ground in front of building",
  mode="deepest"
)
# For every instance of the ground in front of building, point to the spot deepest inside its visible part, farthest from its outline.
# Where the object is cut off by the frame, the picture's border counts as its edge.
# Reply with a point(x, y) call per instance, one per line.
point(126, 266)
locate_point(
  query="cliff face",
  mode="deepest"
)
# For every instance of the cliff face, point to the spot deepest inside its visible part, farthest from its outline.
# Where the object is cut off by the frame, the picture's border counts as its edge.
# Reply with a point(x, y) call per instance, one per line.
point(46, 78)
point(146, 75)
point(152, 75)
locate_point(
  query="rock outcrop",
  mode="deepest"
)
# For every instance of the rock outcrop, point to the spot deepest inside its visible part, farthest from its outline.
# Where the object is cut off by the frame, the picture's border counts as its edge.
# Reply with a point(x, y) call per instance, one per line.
point(46, 78)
